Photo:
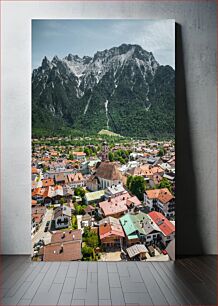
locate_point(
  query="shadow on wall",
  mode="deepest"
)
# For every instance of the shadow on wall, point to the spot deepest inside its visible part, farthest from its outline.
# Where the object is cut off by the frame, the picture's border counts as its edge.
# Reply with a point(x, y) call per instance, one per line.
point(189, 240)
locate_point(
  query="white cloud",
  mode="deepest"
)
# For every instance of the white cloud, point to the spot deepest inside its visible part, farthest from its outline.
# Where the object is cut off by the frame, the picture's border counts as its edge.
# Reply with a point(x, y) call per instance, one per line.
point(156, 36)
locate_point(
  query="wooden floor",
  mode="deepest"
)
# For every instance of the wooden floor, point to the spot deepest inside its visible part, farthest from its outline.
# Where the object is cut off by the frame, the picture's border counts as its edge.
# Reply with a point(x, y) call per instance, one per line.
point(188, 281)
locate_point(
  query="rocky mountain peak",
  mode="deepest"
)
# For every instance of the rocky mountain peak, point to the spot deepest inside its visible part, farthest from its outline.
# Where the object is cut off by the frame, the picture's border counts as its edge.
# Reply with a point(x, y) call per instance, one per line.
point(55, 59)
point(96, 92)
point(46, 64)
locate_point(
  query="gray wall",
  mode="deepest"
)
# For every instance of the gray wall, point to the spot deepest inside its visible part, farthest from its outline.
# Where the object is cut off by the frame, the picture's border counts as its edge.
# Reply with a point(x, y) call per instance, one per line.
point(196, 113)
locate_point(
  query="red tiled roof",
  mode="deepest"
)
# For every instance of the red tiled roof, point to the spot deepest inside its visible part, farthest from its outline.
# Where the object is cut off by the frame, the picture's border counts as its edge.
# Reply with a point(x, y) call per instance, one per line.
point(52, 191)
point(89, 208)
point(72, 161)
point(47, 182)
point(54, 153)
point(79, 153)
point(109, 229)
point(65, 236)
point(156, 169)
point(38, 191)
point(34, 202)
point(164, 224)
point(37, 217)
point(77, 177)
point(114, 206)
point(38, 210)
point(35, 170)
point(61, 178)
point(163, 195)
point(133, 200)
point(143, 170)
point(67, 251)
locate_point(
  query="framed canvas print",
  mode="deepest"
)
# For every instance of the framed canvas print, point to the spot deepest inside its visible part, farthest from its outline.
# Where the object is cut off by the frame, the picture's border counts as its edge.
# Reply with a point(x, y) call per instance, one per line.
point(103, 140)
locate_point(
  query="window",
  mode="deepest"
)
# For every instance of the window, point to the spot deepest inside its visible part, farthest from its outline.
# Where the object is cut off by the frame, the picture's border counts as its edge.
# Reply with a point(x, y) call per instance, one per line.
point(148, 237)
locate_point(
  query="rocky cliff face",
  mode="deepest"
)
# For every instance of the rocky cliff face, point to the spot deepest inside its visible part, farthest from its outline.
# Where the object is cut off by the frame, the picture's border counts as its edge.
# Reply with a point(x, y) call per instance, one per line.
point(123, 89)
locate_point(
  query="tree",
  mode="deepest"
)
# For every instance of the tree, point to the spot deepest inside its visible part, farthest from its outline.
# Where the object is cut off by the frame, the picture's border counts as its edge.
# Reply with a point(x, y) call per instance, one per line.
point(79, 210)
point(137, 186)
point(111, 156)
point(87, 151)
point(165, 183)
point(161, 152)
point(87, 252)
point(121, 160)
point(62, 201)
point(79, 191)
point(93, 240)
point(86, 231)
point(129, 180)
point(70, 157)
point(45, 169)
point(74, 222)
point(90, 237)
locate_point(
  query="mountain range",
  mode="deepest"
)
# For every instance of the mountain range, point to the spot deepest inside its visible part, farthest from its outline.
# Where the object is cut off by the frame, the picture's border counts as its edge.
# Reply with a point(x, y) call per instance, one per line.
point(123, 89)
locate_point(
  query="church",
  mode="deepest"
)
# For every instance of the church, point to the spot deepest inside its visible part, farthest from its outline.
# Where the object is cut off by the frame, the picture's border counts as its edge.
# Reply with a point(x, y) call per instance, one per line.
point(106, 174)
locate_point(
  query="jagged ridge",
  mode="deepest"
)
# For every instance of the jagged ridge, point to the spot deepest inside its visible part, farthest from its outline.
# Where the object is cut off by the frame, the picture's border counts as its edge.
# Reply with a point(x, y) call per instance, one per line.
point(123, 89)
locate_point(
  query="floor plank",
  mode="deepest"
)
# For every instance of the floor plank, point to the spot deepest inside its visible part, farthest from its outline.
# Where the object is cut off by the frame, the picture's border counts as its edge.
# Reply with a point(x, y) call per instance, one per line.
point(164, 286)
point(187, 281)
point(155, 292)
point(170, 271)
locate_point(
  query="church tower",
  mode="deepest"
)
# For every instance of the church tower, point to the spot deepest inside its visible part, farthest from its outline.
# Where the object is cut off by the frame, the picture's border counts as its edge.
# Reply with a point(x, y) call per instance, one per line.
point(104, 154)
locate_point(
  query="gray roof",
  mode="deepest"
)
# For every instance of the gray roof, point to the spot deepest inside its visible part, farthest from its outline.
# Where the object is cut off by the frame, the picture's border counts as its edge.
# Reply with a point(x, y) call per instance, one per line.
point(136, 249)
point(149, 226)
point(115, 189)
point(65, 210)
point(110, 220)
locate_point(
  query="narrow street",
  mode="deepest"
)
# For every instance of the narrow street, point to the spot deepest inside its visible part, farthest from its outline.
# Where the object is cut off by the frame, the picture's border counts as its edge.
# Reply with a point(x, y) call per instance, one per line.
point(40, 234)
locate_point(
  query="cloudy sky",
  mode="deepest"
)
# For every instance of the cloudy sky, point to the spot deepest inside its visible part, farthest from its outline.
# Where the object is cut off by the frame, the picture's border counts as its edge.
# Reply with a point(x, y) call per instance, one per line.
point(85, 37)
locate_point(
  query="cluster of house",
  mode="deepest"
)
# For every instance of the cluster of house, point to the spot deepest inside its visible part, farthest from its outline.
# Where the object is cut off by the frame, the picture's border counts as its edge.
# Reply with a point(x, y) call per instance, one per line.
point(135, 228)
point(119, 217)
point(132, 229)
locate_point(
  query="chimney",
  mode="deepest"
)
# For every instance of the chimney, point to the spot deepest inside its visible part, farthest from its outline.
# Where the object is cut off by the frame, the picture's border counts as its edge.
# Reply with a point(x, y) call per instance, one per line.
point(62, 248)
point(73, 236)
point(109, 199)
point(63, 236)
